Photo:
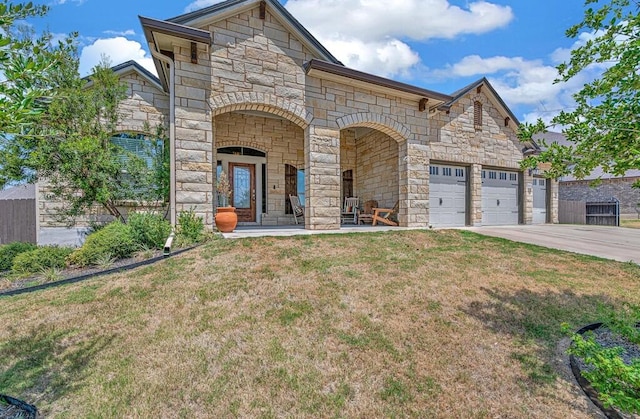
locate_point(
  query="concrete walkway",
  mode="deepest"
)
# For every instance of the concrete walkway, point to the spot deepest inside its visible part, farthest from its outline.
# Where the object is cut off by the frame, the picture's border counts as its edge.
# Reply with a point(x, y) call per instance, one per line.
point(616, 243)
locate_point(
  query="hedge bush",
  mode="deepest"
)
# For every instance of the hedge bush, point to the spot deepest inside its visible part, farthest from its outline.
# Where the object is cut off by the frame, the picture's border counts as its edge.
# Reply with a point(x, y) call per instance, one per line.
point(42, 258)
point(149, 230)
point(116, 240)
point(8, 252)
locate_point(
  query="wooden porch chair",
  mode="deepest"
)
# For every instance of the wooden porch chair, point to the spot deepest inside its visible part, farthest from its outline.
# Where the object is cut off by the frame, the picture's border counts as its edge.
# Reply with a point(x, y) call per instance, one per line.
point(350, 210)
point(296, 207)
point(365, 216)
point(386, 215)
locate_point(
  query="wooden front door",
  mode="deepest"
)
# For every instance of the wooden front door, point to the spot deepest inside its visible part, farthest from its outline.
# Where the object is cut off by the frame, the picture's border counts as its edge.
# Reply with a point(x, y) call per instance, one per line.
point(243, 190)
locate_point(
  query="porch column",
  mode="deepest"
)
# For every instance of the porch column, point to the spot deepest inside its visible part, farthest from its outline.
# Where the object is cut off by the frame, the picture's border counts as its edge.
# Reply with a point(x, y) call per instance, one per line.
point(475, 195)
point(413, 175)
point(527, 197)
point(322, 178)
point(552, 198)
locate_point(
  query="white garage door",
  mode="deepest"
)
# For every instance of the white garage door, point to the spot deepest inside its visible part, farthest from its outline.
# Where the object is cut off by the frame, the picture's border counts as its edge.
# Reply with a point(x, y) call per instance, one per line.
point(539, 201)
point(447, 195)
point(499, 197)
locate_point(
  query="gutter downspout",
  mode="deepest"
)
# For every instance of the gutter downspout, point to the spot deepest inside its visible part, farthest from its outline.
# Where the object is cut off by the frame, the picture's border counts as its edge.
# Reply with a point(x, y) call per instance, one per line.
point(172, 131)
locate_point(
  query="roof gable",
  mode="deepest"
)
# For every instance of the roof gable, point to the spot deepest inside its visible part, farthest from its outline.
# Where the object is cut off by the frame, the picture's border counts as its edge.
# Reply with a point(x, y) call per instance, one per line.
point(132, 66)
point(230, 8)
point(493, 96)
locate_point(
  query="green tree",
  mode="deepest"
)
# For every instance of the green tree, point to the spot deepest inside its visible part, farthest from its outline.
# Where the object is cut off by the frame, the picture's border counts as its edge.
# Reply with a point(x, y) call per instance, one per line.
point(26, 64)
point(61, 130)
point(604, 127)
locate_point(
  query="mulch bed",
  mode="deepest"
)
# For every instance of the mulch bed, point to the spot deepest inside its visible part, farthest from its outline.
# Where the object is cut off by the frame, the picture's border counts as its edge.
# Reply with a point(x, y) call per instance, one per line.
point(607, 339)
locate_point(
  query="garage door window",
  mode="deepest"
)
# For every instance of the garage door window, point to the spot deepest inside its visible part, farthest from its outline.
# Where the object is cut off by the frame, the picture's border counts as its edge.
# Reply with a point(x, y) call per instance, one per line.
point(513, 176)
point(459, 172)
point(433, 170)
point(446, 171)
point(492, 175)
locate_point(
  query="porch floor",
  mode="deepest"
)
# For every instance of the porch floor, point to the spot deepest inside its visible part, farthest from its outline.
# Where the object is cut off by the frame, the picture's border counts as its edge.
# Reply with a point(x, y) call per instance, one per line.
point(298, 230)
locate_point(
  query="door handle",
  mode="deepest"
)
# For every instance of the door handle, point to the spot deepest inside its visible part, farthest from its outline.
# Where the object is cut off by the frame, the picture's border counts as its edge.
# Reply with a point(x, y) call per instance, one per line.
point(440, 201)
point(498, 202)
point(253, 195)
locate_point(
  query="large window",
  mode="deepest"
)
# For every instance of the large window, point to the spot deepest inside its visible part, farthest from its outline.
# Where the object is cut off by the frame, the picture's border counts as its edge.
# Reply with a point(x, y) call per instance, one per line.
point(144, 167)
point(293, 185)
point(138, 145)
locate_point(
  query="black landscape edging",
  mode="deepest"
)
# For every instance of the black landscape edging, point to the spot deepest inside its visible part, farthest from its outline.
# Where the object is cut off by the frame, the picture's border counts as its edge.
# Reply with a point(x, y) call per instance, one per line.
point(609, 412)
point(84, 277)
point(32, 411)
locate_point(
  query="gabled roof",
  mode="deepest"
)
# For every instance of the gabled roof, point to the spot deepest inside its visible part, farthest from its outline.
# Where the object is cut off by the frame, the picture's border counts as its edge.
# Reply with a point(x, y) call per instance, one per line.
point(456, 96)
point(233, 7)
point(133, 66)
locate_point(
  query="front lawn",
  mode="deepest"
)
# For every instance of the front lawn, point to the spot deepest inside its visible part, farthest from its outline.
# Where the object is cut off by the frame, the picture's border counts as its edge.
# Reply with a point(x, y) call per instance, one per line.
point(412, 323)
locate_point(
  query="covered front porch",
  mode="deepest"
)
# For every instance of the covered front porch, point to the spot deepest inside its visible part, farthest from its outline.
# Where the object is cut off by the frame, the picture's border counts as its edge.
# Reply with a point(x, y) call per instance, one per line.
point(269, 157)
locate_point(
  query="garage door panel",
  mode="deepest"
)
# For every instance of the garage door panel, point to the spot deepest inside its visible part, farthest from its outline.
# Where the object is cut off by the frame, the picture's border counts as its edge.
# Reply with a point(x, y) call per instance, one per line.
point(447, 195)
point(539, 201)
point(500, 204)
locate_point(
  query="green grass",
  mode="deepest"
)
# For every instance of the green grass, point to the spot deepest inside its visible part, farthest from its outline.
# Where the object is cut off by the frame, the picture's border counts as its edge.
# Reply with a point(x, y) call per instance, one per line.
point(385, 324)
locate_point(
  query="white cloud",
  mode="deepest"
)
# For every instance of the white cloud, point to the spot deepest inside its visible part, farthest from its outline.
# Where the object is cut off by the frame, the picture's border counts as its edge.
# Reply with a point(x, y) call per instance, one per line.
point(374, 38)
point(128, 32)
point(385, 58)
point(118, 50)
point(200, 4)
point(59, 2)
point(374, 20)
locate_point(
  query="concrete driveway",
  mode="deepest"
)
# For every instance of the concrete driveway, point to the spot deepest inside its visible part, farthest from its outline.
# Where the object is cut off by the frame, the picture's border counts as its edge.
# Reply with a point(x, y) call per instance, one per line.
point(616, 243)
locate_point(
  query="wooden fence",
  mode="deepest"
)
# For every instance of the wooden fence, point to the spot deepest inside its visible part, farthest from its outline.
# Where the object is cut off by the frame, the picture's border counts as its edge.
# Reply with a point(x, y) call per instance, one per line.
point(18, 221)
point(572, 212)
point(593, 213)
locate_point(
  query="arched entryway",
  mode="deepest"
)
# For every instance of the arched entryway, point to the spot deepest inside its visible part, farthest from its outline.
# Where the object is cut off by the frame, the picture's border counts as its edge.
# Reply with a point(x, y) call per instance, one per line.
point(370, 149)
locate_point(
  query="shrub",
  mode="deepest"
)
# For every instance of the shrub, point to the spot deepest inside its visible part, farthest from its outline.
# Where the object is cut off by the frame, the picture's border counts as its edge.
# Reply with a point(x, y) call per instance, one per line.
point(190, 227)
point(8, 252)
point(114, 241)
point(149, 230)
point(40, 259)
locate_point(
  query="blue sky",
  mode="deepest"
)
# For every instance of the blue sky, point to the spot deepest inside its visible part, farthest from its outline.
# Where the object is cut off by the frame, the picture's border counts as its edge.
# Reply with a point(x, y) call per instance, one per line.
point(441, 45)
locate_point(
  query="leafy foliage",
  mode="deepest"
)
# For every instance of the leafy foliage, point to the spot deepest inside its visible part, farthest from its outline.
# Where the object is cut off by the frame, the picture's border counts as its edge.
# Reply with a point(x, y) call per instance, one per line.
point(149, 230)
point(41, 259)
point(8, 252)
point(190, 227)
point(605, 125)
point(116, 240)
point(617, 383)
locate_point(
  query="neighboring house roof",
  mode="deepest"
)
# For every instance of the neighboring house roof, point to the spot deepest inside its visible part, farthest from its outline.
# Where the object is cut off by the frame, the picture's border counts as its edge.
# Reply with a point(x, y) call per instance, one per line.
point(597, 173)
point(27, 191)
point(232, 7)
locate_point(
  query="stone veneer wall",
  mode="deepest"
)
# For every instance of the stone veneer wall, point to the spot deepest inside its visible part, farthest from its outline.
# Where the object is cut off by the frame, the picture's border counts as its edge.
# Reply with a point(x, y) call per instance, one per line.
point(144, 106)
point(377, 169)
point(282, 140)
point(619, 188)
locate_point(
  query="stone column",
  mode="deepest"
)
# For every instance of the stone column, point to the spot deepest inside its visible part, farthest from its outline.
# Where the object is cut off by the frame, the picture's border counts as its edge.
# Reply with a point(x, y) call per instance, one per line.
point(194, 137)
point(552, 199)
point(413, 176)
point(526, 196)
point(475, 194)
point(322, 178)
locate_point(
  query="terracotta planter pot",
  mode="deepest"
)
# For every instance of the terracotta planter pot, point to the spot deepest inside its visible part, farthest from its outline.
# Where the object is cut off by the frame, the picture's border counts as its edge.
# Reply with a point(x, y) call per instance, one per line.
point(226, 219)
